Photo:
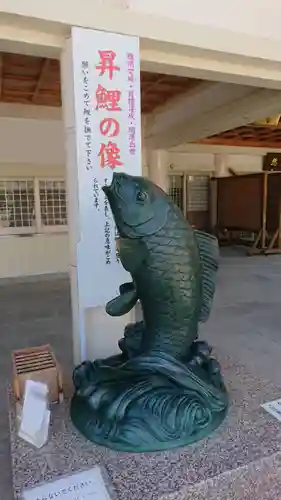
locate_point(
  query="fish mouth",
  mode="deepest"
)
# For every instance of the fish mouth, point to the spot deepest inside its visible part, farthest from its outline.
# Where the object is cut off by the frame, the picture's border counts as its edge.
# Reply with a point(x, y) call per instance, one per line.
point(106, 189)
point(115, 185)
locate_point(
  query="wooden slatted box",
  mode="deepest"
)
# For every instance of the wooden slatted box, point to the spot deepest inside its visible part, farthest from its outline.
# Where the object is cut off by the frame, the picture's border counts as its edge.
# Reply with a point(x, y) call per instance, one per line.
point(38, 364)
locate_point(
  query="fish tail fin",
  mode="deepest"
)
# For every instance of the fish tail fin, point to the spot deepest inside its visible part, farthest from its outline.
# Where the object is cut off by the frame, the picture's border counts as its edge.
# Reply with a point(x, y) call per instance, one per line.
point(209, 256)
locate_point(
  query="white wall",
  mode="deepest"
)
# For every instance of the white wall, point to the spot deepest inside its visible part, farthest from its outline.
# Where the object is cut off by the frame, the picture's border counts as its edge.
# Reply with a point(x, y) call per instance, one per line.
point(36, 254)
point(204, 162)
point(31, 141)
point(32, 148)
point(252, 17)
point(30, 256)
point(35, 148)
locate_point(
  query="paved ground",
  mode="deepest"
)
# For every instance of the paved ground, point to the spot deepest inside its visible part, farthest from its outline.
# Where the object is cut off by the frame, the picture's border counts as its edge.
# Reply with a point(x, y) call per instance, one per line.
point(30, 314)
point(248, 299)
point(246, 318)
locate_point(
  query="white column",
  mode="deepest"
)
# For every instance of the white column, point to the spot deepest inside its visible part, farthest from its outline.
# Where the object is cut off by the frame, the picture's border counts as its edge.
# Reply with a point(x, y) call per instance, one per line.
point(220, 168)
point(78, 319)
point(157, 162)
point(94, 279)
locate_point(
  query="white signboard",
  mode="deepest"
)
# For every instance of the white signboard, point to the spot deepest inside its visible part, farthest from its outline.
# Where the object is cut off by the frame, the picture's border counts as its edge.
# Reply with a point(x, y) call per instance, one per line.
point(86, 485)
point(108, 130)
point(274, 408)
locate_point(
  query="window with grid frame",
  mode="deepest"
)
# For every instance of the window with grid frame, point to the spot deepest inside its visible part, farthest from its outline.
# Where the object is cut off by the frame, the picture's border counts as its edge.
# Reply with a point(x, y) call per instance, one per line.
point(198, 193)
point(176, 189)
point(53, 205)
point(17, 206)
point(29, 205)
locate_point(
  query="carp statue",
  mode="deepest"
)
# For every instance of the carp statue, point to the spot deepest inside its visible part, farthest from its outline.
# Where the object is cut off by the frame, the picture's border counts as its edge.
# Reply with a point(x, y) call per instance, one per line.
point(164, 390)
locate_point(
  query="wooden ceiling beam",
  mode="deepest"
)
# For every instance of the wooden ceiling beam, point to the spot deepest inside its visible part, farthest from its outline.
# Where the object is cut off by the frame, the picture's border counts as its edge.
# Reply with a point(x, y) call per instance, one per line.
point(265, 127)
point(42, 75)
point(152, 86)
point(248, 143)
point(22, 81)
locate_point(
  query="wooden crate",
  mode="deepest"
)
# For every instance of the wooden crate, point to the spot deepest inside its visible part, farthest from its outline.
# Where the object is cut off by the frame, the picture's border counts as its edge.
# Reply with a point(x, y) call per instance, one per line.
point(38, 364)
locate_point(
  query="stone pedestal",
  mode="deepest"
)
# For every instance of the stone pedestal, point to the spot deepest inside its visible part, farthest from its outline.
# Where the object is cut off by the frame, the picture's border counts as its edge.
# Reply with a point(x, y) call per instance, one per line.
point(241, 460)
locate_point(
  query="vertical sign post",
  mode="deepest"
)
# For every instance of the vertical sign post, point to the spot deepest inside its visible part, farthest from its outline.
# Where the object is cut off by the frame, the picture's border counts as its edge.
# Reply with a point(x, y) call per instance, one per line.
point(106, 118)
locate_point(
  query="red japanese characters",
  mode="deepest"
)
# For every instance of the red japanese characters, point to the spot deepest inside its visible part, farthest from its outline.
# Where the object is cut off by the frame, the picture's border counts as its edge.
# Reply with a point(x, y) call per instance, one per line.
point(109, 155)
point(109, 127)
point(108, 99)
point(106, 64)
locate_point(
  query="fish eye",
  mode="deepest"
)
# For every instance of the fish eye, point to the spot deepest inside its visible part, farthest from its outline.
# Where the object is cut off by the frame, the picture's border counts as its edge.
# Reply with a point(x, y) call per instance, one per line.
point(141, 196)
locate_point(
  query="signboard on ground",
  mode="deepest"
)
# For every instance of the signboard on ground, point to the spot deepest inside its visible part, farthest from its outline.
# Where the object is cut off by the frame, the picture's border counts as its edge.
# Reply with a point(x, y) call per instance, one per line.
point(274, 408)
point(86, 485)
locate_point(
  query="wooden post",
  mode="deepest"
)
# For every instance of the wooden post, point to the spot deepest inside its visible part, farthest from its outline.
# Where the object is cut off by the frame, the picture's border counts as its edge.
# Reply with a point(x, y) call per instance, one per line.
point(185, 195)
point(279, 233)
point(213, 204)
point(264, 210)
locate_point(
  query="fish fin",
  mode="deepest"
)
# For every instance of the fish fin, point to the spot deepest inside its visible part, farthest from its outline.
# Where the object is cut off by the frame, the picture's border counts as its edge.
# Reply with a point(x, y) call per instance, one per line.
point(209, 255)
point(127, 287)
point(132, 254)
point(124, 303)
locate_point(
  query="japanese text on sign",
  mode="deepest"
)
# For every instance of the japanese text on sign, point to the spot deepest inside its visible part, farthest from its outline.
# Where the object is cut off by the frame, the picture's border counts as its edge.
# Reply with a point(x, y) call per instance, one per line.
point(83, 485)
point(107, 64)
point(132, 104)
point(108, 99)
point(87, 115)
point(107, 230)
point(96, 193)
point(117, 255)
point(63, 492)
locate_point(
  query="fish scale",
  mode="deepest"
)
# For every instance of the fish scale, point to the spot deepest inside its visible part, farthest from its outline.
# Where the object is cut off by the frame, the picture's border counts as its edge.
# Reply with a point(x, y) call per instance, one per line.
point(170, 328)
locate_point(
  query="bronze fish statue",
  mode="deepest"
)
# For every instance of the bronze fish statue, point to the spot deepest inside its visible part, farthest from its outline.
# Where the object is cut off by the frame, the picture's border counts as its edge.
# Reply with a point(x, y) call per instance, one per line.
point(170, 263)
point(164, 390)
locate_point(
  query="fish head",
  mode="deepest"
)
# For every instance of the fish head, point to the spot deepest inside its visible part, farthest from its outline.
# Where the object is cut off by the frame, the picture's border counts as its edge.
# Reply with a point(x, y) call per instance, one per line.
point(139, 207)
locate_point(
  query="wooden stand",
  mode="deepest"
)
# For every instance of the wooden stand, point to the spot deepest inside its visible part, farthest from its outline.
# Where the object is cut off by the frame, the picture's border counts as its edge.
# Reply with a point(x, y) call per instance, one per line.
point(251, 203)
point(267, 243)
point(38, 364)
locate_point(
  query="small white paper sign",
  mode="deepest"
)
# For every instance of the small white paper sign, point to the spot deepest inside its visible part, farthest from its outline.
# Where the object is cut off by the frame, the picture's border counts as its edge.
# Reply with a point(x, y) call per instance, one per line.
point(35, 416)
point(86, 485)
point(274, 408)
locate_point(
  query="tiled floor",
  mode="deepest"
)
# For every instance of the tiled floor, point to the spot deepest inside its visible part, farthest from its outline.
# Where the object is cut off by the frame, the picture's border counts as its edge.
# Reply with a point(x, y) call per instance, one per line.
point(245, 323)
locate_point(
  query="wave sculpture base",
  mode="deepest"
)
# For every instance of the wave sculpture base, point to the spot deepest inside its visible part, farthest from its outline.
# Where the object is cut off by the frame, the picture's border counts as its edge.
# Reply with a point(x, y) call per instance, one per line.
point(142, 403)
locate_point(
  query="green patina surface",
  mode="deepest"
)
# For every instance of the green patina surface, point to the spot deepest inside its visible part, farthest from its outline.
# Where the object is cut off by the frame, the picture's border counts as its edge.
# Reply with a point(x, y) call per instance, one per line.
point(164, 390)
